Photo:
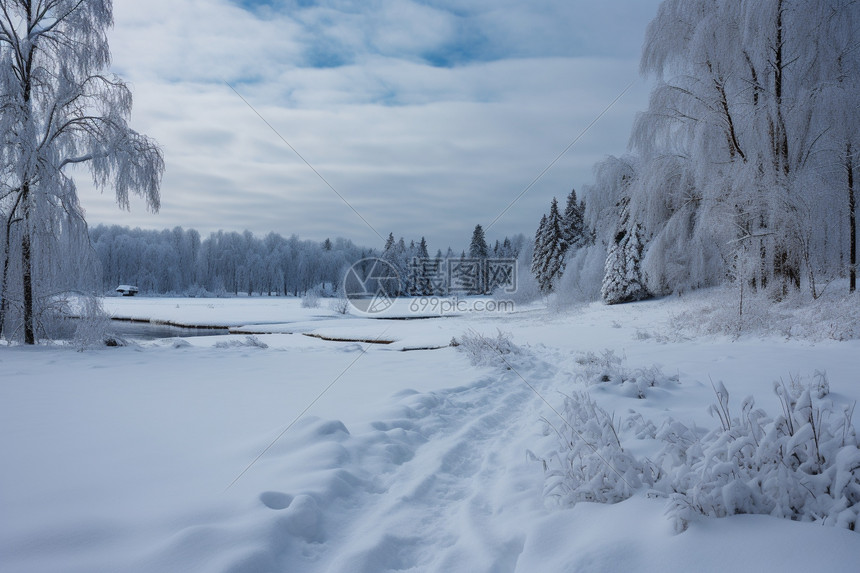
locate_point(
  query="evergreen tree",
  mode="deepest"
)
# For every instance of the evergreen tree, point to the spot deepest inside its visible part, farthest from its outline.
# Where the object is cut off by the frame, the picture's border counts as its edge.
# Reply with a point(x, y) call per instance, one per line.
point(573, 227)
point(478, 248)
point(550, 250)
point(540, 247)
point(422, 250)
point(400, 259)
point(506, 251)
point(622, 278)
point(480, 251)
point(389, 244)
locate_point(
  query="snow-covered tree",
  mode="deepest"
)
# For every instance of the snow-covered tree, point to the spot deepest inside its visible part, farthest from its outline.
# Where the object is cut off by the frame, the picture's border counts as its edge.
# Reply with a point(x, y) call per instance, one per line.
point(478, 248)
point(398, 256)
point(422, 249)
point(389, 243)
point(744, 146)
point(419, 283)
point(550, 249)
point(59, 108)
point(539, 247)
point(479, 252)
point(574, 230)
point(622, 277)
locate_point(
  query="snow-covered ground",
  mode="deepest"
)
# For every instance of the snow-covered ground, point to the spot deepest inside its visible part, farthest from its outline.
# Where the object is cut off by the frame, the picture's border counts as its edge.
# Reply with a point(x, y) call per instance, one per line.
point(147, 458)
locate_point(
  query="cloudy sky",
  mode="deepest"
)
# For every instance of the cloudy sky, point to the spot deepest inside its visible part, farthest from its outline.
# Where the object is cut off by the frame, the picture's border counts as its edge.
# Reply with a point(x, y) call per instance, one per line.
point(426, 116)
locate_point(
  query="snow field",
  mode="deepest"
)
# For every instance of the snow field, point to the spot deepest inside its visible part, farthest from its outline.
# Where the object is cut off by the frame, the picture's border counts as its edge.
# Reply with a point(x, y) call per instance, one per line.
point(119, 459)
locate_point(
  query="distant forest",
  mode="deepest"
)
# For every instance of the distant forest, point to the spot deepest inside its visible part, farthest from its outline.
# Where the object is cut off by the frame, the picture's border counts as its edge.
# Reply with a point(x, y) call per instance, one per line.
point(179, 261)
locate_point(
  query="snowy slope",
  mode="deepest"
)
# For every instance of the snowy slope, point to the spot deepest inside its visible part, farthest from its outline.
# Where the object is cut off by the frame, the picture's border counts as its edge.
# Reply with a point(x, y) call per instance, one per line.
point(123, 459)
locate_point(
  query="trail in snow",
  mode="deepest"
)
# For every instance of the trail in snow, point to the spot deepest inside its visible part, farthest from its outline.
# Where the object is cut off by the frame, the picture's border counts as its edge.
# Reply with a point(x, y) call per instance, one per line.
point(421, 491)
point(436, 512)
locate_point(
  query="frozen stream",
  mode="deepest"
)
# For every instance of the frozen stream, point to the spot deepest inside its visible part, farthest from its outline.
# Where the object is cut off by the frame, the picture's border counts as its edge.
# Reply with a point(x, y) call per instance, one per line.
point(151, 331)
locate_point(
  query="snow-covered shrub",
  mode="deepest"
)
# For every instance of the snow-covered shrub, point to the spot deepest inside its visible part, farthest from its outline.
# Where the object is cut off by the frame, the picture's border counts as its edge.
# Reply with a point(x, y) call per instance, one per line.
point(487, 351)
point(606, 368)
point(93, 328)
point(734, 311)
point(603, 367)
point(340, 303)
point(820, 385)
point(248, 342)
point(592, 465)
point(198, 291)
point(643, 429)
point(803, 465)
point(311, 298)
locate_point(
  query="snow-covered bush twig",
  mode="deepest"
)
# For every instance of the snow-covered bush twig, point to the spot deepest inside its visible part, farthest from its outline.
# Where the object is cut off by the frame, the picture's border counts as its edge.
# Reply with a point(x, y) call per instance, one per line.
point(311, 298)
point(592, 465)
point(248, 342)
point(487, 351)
point(93, 328)
point(606, 367)
point(340, 303)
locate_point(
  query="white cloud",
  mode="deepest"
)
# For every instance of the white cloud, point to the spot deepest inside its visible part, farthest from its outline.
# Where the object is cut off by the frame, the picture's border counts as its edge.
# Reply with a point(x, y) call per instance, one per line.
point(416, 149)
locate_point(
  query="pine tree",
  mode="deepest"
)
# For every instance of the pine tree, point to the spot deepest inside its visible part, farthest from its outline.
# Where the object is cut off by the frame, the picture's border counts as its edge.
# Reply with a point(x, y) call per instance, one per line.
point(507, 250)
point(396, 254)
point(418, 263)
point(480, 251)
point(550, 250)
point(540, 248)
point(573, 227)
point(422, 249)
point(389, 243)
point(622, 278)
point(437, 286)
point(401, 257)
point(478, 248)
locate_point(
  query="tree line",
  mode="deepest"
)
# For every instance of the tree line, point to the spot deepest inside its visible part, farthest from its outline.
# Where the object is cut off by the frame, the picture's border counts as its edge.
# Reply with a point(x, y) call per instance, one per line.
point(442, 274)
point(180, 262)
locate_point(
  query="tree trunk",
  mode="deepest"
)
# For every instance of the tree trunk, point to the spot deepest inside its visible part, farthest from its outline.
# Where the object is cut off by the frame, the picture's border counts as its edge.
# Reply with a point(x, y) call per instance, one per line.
point(7, 254)
point(27, 271)
point(26, 259)
point(852, 221)
point(4, 281)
